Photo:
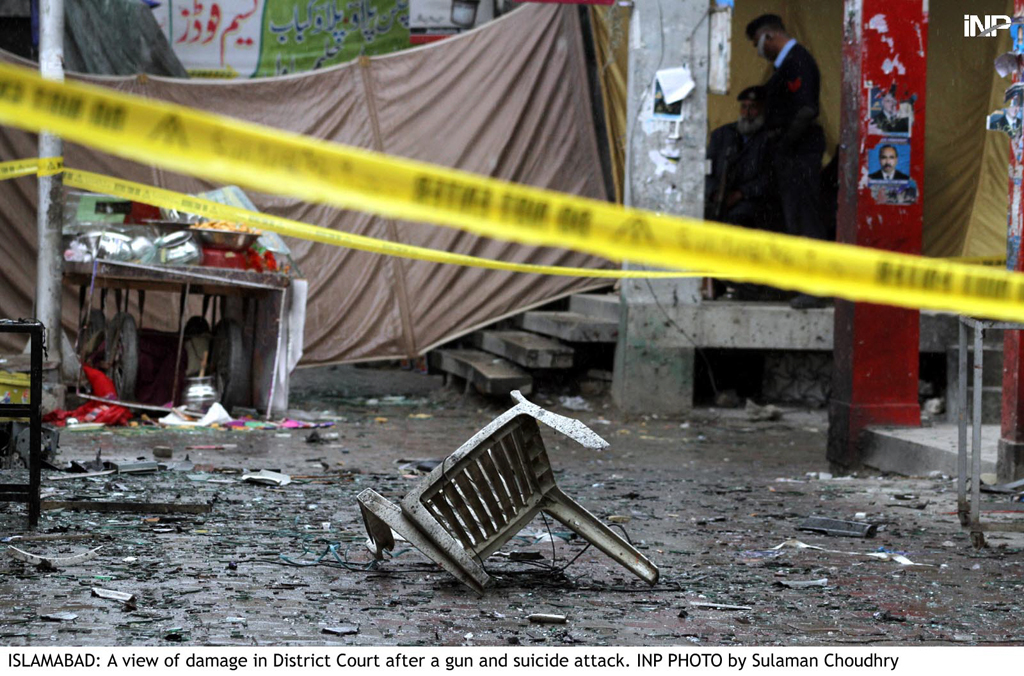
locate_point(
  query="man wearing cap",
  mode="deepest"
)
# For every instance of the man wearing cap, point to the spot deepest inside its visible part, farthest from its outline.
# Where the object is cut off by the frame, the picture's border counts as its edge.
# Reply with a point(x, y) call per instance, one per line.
point(791, 97)
point(740, 183)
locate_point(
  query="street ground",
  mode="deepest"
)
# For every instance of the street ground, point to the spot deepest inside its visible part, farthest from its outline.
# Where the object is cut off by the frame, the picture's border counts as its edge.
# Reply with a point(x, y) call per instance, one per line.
point(706, 498)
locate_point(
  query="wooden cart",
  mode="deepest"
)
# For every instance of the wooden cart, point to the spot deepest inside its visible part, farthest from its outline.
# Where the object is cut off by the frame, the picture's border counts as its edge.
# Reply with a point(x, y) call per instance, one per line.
point(248, 350)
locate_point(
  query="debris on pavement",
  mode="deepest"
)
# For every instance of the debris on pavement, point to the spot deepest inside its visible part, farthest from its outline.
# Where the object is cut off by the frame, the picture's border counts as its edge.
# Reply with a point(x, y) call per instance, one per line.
point(135, 467)
point(838, 527)
point(318, 437)
point(881, 555)
point(265, 477)
point(51, 563)
point(125, 506)
point(59, 617)
point(688, 513)
point(216, 415)
point(546, 618)
point(718, 606)
point(760, 413)
point(576, 403)
point(123, 597)
point(342, 630)
point(802, 584)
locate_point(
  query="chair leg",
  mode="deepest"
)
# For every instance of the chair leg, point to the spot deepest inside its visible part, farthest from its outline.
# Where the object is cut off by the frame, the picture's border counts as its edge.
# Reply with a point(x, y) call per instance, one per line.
point(377, 528)
point(574, 516)
point(447, 553)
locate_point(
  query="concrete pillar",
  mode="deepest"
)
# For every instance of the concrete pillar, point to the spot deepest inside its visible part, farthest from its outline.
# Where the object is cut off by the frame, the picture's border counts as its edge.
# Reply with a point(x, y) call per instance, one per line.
point(664, 172)
point(1010, 455)
point(876, 347)
point(50, 214)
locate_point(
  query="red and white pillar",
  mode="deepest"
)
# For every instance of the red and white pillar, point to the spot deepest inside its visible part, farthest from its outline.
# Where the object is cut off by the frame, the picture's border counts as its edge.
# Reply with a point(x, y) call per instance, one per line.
point(1010, 460)
point(875, 381)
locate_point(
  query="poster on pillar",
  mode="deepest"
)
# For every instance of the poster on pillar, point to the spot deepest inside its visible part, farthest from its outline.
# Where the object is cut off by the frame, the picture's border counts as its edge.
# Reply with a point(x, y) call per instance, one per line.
point(1008, 118)
point(892, 110)
point(890, 113)
point(889, 172)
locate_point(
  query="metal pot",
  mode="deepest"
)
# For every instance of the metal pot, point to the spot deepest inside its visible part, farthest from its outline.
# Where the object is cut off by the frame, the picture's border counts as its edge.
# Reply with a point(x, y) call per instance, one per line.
point(200, 393)
point(143, 250)
point(178, 248)
point(225, 239)
point(106, 245)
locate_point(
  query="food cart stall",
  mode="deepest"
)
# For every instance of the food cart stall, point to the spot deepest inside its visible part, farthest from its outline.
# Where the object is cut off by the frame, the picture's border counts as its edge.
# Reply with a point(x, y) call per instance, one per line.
point(241, 348)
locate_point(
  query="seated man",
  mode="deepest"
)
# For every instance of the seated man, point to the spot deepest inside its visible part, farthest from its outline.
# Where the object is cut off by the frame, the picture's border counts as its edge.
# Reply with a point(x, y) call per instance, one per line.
point(738, 189)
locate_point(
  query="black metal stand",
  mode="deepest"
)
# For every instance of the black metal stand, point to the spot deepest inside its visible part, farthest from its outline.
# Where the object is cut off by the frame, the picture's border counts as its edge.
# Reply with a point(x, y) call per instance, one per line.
point(28, 493)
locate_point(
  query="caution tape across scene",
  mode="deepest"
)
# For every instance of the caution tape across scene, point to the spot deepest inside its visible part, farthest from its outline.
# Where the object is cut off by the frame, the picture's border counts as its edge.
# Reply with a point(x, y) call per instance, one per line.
point(231, 151)
point(168, 199)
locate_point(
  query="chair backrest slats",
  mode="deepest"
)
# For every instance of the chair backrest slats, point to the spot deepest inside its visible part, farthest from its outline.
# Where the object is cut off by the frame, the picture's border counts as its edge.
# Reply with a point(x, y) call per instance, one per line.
point(468, 490)
point(508, 474)
point(486, 491)
point(494, 477)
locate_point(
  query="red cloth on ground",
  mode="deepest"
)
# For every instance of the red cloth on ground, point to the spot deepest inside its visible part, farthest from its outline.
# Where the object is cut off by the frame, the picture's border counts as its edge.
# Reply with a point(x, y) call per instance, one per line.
point(94, 411)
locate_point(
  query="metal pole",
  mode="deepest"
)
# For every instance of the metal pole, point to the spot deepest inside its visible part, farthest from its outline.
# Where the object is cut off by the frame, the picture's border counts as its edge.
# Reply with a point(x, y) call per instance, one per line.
point(50, 216)
point(979, 364)
point(961, 413)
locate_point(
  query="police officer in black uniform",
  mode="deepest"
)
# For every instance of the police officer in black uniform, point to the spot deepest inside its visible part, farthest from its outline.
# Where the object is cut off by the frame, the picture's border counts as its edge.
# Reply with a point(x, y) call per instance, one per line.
point(792, 100)
point(740, 190)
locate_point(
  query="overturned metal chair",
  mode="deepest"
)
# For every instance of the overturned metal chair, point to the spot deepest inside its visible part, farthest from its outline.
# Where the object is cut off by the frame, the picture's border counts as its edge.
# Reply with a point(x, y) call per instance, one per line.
point(484, 493)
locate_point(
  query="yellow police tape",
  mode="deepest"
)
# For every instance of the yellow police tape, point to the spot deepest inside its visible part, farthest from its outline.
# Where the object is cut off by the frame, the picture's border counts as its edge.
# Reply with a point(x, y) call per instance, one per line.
point(29, 167)
point(167, 199)
point(980, 260)
point(38, 166)
point(231, 151)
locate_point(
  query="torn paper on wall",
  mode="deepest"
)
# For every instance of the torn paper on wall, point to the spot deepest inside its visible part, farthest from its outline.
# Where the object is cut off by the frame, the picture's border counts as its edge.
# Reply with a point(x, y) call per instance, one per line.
point(671, 86)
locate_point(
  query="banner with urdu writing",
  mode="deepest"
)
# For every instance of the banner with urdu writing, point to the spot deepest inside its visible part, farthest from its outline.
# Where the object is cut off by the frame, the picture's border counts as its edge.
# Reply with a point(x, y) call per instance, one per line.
point(259, 38)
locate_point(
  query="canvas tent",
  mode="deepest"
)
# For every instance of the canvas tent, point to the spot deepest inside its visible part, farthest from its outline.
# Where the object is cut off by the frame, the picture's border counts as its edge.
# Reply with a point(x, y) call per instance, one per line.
point(508, 100)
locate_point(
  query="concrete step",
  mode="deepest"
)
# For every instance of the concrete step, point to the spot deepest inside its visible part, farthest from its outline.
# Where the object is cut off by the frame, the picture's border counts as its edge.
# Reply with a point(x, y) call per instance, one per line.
point(526, 349)
point(601, 305)
point(572, 327)
point(916, 451)
point(487, 373)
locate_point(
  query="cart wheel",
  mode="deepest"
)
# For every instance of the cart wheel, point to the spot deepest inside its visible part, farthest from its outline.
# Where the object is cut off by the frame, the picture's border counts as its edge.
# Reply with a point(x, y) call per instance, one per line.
point(229, 363)
point(123, 354)
point(97, 329)
point(977, 539)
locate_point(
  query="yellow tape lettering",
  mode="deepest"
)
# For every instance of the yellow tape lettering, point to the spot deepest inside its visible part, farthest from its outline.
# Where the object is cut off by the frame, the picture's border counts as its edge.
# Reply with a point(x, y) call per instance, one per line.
point(109, 116)
point(452, 196)
point(524, 211)
point(574, 221)
point(989, 288)
point(10, 91)
point(58, 103)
